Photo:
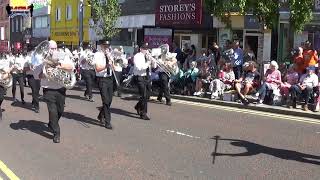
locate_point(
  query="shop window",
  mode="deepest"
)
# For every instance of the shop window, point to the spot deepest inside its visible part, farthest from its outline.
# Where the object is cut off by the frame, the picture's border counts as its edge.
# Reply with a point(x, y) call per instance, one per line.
point(17, 25)
point(204, 41)
point(2, 33)
point(58, 14)
point(69, 12)
point(177, 41)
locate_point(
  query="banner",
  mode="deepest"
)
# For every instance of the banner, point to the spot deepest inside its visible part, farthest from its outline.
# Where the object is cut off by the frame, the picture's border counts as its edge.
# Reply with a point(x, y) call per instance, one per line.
point(24, 3)
point(179, 13)
point(157, 36)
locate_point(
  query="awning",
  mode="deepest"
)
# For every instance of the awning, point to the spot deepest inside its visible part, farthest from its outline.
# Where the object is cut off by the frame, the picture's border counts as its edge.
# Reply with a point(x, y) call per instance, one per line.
point(136, 21)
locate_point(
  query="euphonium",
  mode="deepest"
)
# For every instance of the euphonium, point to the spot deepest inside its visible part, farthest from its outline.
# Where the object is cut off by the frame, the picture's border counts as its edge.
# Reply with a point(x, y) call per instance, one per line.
point(89, 56)
point(5, 77)
point(165, 60)
point(49, 62)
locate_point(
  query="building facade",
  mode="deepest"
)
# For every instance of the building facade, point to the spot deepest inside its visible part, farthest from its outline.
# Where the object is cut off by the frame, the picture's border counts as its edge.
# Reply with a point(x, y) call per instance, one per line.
point(64, 22)
point(4, 27)
point(40, 25)
point(157, 22)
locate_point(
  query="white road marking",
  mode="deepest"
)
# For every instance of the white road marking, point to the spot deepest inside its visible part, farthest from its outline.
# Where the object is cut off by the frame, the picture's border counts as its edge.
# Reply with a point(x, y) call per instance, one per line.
point(248, 111)
point(182, 134)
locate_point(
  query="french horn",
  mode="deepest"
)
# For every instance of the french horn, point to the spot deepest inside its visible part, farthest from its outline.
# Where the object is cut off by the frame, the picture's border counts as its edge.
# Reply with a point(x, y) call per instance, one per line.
point(49, 60)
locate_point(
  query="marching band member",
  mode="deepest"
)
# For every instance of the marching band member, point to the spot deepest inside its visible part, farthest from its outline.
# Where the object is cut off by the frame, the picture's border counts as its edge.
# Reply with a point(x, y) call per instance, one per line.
point(54, 93)
point(120, 63)
point(5, 67)
point(140, 71)
point(18, 76)
point(34, 83)
point(88, 73)
point(103, 63)
point(164, 77)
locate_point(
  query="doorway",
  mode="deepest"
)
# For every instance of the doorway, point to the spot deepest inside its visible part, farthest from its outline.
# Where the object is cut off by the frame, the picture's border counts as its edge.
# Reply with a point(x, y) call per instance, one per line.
point(251, 42)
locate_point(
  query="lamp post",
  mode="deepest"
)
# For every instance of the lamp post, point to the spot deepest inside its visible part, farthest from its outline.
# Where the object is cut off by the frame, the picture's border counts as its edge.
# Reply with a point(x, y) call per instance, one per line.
point(81, 23)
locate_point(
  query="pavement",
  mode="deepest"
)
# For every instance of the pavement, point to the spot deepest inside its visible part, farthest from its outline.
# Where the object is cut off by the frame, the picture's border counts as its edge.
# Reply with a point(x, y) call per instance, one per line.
point(178, 142)
point(262, 107)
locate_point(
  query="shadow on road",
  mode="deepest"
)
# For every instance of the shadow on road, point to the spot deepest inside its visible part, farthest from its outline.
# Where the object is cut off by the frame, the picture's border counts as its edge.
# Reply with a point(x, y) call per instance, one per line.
point(122, 112)
point(255, 149)
point(36, 127)
point(81, 118)
point(76, 97)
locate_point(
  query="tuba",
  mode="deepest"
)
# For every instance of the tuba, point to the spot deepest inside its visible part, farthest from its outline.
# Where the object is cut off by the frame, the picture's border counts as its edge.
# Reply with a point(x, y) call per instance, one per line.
point(49, 61)
point(164, 60)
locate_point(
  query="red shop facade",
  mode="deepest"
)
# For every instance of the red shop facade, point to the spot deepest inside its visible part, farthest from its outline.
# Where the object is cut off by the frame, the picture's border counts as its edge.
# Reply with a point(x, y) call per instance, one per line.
point(189, 21)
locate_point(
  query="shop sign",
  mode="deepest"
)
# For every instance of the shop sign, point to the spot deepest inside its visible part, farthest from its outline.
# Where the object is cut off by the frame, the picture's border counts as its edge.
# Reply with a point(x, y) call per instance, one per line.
point(179, 13)
point(251, 22)
point(66, 33)
point(157, 36)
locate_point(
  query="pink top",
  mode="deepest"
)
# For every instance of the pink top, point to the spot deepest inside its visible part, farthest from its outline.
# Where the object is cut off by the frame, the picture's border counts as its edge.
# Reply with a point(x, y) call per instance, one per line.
point(292, 78)
point(273, 77)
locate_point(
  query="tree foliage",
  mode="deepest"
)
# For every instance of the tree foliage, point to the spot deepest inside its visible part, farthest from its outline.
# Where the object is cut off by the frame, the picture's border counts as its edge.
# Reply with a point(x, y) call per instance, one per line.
point(105, 15)
point(267, 11)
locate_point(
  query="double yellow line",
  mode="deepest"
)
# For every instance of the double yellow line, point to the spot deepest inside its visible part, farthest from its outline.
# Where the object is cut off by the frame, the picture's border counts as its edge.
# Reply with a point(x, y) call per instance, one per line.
point(7, 172)
point(246, 111)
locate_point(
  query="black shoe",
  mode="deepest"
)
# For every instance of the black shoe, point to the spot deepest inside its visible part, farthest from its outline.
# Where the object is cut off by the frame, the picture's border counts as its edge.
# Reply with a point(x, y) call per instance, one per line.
point(138, 110)
point(50, 127)
point(56, 139)
point(144, 117)
point(160, 99)
point(15, 101)
point(90, 99)
point(108, 126)
point(245, 101)
point(101, 119)
point(168, 103)
point(23, 102)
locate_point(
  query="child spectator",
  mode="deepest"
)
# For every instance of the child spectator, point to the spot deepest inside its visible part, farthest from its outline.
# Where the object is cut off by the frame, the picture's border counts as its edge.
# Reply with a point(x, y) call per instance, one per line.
point(224, 81)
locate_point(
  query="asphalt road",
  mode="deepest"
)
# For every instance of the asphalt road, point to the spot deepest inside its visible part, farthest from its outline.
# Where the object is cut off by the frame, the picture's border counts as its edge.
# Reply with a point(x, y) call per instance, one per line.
point(176, 144)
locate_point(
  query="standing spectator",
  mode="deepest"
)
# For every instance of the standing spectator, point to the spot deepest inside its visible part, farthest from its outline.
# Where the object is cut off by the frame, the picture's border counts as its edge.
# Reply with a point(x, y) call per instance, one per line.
point(310, 55)
point(193, 53)
point(272, 81)
point(299, 61)
point(212, 62)
point(180, 55)
point(237, 60)
point(202, 58)
point(248, 54)
point(216, 51)
point(305, 87)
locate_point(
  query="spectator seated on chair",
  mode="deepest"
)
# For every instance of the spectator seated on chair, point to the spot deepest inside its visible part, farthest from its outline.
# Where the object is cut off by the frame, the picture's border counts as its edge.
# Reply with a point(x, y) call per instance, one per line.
point(176, 83)
point(224, 81)
point(203, 78)
point(291, 78)
point(272, 82)
point(190, 78)
point(248, 82)
point(305, 88)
